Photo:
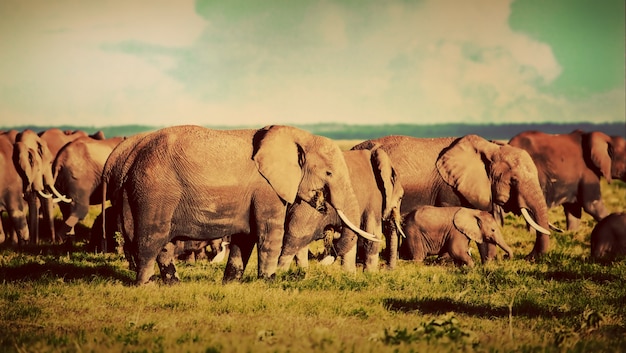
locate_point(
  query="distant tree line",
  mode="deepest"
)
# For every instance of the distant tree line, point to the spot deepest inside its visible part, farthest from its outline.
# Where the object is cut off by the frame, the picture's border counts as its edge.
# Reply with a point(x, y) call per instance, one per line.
point(356, 132)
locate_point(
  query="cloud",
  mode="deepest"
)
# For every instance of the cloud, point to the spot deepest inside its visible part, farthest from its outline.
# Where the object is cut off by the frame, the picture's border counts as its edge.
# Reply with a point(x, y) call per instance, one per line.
point(282, 62)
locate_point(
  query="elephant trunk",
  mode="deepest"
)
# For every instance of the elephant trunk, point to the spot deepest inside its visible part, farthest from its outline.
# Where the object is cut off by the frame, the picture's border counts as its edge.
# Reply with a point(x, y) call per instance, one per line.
point(535, 211)
point(348, 209)
point(504, 246)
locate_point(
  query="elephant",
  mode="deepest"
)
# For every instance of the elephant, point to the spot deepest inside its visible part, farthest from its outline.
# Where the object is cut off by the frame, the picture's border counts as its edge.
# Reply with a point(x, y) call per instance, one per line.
point(434, 230)
point(194, 183)
point(471, 172)
point(11, 188)
point(570, 167)
point(379, 196)
point(56, 138)
point(76, 171)
point(33, 160)
point(36, 153)
point(608, 238)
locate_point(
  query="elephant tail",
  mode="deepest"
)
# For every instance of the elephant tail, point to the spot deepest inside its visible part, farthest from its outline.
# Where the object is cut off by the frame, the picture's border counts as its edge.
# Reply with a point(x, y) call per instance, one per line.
point(104, 198)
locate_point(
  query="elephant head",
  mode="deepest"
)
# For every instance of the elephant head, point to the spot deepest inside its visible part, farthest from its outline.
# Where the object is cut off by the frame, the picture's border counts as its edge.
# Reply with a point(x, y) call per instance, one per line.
point(480, 226)
point(607, 154)
point(387, 179)
point(300, 165)
point(35, 159)
point(490, 175)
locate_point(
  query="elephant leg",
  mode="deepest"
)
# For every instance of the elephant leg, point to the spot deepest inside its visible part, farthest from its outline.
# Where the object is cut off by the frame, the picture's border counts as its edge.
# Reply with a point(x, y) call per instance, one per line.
point(19, 230)
point(269, 247)
point(487, 252)
point(372, 249)
point(302, 257)
point(148, 251)
point(461, 255)
point(270, 229)
point(33, 217)
point(3, 236)
point(47, 207)
point(573, 212)
point(241, 246)
point(166, 262)
point(391, 244)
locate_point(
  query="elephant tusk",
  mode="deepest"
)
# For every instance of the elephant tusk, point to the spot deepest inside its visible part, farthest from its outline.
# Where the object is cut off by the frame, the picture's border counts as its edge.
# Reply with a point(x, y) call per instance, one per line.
point(555, 228)
point(532, 222)
point(399, 228)
point(356, 229)
point(44, 195)
point(58, 194)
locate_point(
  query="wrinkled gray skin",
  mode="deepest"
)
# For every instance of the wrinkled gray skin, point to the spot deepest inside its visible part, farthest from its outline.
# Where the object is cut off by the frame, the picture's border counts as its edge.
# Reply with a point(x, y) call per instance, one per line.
point(469, 172)
point(35, 155)
point(570, 167)
point(11, 199)
point(379, 196)
point(438, 230)
point(77, 171)
point(189, 182)
point(608, 238)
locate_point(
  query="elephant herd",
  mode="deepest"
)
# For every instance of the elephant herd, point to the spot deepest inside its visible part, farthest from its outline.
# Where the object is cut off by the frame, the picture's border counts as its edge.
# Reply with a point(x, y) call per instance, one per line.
point(279, 188)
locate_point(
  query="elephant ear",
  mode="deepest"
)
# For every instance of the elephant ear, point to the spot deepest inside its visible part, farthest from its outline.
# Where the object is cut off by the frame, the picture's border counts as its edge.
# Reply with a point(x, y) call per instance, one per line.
point(25, 158)
point(463, 166)
point(279, 159)
point(599, 149)
point(386, 176)
point(468, 221)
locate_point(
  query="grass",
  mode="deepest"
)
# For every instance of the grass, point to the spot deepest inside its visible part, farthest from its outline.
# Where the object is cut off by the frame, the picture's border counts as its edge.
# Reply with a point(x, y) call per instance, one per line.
point(59, 299)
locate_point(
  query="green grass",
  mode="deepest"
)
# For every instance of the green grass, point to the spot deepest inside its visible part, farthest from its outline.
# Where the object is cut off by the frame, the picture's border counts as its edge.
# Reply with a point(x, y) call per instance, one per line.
point(60, 299)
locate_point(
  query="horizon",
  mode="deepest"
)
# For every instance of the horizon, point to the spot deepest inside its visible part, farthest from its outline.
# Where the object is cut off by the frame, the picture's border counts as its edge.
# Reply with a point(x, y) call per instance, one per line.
point(281, 62)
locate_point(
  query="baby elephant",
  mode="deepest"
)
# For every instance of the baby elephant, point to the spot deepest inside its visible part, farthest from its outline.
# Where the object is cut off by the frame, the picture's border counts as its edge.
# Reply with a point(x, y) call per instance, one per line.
point(608, 238)
point(440, 230)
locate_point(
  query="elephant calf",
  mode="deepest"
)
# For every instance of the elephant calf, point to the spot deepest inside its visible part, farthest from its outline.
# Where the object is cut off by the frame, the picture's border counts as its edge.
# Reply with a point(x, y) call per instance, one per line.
point(608, 238)
point(439, 230)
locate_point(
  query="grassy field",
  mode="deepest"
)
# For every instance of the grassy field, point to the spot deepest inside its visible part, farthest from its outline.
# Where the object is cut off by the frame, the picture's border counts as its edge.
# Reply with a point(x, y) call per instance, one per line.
point(55, 299)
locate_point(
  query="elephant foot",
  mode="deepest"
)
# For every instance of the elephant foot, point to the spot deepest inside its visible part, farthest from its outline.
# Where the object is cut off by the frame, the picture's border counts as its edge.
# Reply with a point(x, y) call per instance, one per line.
point(269, 278)
point(232, 273)
point(534, 256)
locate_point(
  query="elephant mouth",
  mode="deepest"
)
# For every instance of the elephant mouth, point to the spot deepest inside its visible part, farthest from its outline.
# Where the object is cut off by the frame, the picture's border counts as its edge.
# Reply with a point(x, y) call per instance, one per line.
point(318, 201)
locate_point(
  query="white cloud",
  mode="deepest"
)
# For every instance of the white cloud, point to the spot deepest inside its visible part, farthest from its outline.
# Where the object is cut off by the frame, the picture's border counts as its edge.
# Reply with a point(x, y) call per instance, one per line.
point(382, 62)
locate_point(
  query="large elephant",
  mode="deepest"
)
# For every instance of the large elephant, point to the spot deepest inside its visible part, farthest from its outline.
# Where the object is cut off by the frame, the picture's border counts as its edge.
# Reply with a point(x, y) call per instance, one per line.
point(189, 182)
point(77, 170)
point(438, 230)
point(11, 189)
point(608, 238)
point(34, 163)
point(379, 196)
point(470, 172)
point(570, 167)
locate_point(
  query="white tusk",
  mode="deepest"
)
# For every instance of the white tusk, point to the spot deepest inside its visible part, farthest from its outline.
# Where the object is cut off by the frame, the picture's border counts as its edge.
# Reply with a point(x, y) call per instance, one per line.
point(356, 229)
point(61, 197)
point(555, 228)
point(399, 228)
point(532, 222)
point(44, 195)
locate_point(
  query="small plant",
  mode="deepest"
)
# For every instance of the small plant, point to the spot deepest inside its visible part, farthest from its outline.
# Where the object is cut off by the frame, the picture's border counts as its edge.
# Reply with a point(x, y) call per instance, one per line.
point(445, 330)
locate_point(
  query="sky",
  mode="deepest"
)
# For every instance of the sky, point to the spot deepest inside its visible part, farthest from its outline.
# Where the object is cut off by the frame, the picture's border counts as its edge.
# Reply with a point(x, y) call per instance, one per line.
point(162, 62)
